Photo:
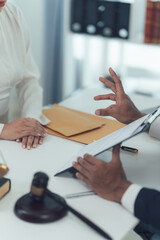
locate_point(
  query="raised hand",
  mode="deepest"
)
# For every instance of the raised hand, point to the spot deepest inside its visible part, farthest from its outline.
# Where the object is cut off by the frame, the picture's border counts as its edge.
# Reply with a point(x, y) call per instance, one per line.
point(124, 109)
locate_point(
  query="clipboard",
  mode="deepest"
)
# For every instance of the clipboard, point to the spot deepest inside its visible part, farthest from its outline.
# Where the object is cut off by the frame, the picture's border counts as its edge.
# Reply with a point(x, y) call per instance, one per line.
point(109, 141)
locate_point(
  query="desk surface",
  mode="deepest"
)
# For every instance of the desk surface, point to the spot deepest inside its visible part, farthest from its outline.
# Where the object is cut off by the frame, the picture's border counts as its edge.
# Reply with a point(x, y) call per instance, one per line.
point(51, 156)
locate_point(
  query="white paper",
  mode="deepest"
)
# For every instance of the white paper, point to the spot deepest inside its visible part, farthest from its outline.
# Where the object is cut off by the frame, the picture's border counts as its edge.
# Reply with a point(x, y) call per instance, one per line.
point(108, 141)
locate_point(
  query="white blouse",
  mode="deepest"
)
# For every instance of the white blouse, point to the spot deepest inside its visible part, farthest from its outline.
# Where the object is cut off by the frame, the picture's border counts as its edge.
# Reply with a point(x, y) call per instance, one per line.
point(17, 67)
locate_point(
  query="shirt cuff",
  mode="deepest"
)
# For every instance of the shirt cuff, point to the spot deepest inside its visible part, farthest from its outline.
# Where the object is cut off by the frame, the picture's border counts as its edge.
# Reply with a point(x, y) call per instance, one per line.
point(129, 197)
point(41, 118)
point(1, 127)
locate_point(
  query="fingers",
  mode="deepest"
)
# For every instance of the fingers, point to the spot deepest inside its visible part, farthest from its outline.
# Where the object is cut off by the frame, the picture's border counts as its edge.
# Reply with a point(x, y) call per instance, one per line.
point(41, 139)
point(88, 161)
point(24, 142)
point(83, 178)
point(82, 166)
point(29, 142)
point(35, 142)
point(87, 168)
point(110, 96)
point(116, 80)
point(101, 112)
point(108, 83)
point(91, 159)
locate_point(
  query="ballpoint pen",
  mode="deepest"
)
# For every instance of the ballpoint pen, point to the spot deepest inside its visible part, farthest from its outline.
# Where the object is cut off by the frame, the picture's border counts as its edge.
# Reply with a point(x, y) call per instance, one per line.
point(129, 149)
point(80, 194)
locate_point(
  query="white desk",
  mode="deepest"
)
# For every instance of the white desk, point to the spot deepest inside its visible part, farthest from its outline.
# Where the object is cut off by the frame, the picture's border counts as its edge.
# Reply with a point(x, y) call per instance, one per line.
point(142, 168)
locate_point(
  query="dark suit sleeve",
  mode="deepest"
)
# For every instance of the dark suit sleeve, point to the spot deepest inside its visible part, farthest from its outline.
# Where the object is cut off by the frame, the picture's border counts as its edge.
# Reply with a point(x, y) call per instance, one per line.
point(147, 207)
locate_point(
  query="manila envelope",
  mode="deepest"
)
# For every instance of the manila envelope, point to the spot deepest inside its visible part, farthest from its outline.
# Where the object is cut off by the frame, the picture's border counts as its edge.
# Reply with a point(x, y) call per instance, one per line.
point(78, 126)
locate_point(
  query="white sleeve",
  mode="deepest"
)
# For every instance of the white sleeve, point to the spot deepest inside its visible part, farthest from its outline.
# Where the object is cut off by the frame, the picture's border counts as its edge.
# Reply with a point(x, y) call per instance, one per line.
point(129, 197)
point(154, 130)
point(28, 90)
point(1, 127)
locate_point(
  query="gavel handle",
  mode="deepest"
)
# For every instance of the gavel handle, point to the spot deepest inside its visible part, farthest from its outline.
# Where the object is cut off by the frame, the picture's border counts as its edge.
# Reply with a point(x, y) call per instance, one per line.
point(60, 200)
point(89, 223)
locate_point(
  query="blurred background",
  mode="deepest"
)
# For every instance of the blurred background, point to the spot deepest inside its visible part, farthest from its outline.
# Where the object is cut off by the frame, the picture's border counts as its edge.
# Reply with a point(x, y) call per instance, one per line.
point(76, 41)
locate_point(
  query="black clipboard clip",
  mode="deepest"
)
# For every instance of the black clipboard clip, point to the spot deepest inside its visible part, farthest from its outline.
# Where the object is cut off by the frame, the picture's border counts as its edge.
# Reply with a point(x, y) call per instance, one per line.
point(151, 118)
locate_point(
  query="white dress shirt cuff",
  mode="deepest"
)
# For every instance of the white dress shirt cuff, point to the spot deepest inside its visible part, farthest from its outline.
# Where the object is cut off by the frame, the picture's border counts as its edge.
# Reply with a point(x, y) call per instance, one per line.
point(41, 118)
point(1, 127)
point(154, 130)
point(129, 197)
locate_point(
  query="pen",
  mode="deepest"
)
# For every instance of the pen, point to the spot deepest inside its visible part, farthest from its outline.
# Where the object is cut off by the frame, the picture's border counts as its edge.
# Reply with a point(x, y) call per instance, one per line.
point(129, 149)
point(80, 194)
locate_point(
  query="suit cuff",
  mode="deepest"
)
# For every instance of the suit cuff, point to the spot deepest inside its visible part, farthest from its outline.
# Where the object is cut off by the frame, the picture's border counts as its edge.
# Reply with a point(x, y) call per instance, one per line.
point(1, 127)
point(129, 197)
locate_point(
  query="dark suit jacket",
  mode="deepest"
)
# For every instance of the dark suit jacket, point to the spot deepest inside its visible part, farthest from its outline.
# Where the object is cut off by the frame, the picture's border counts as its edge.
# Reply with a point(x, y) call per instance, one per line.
point(147, 207)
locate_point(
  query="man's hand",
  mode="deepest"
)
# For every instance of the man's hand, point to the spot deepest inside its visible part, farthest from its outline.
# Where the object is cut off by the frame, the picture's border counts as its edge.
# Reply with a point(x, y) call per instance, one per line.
point(22, 127)
point(108, 180)
point(30, 141)
point(124, 109)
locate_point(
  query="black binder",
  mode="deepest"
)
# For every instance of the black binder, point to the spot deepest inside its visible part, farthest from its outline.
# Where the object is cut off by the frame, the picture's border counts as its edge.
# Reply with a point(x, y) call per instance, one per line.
point(107, 16)
point(99, 17)
point(90, 20)
point(77, 15)
point(122, 24)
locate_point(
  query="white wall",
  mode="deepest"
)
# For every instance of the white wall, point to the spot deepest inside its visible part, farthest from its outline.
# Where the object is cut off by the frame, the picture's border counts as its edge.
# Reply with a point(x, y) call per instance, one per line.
point(34, 12)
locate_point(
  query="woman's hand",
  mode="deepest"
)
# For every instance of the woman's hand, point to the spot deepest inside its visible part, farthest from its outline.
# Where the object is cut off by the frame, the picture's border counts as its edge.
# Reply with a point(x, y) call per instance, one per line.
point(30, 141)
point(124, 109)
point(23, 127)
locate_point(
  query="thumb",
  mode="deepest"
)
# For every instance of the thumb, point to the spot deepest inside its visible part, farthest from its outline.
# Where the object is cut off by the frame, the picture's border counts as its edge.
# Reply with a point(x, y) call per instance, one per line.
point(115, 153)
point(109, 111)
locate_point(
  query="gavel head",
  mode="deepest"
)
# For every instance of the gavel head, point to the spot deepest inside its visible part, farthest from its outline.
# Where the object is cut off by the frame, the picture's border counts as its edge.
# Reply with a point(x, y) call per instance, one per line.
point(39, 185)
point(37, 206)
